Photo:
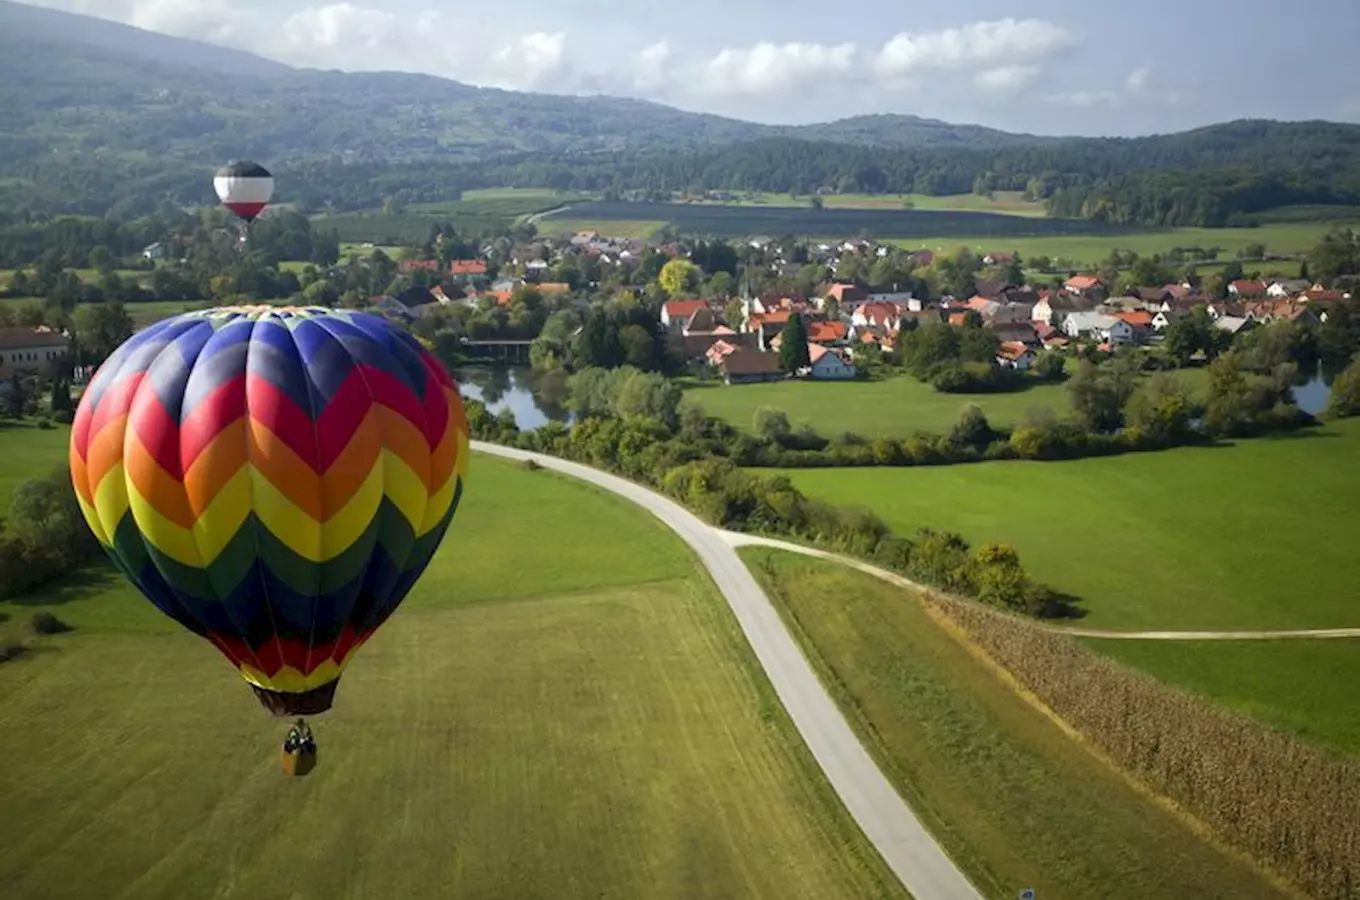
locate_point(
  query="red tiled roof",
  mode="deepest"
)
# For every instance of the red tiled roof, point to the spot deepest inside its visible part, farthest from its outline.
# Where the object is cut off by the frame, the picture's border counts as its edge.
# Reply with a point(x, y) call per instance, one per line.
point(683, 309)
point(553, 287)
point(411, 265)
point(1138, 319)
point(1012, 350)
point(826, 332)
point(1248, 288)
point(467, 267)
point(1082, 282)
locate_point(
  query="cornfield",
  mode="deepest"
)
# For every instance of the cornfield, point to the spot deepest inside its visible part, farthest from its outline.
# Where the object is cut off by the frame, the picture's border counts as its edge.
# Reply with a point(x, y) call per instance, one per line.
point(1291, 806)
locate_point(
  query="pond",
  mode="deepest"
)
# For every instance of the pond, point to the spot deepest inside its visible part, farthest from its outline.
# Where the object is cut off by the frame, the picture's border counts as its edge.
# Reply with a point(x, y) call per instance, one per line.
point(533, 399)
point(1312, 395)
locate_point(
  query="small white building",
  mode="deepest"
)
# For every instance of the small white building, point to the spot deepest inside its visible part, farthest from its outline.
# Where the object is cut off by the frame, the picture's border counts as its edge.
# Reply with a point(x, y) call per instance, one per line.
point(828, 365)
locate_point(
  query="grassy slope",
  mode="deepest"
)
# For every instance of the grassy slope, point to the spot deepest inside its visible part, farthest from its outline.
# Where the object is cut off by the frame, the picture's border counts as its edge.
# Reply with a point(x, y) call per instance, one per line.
point(1006, 202)
point(1026, 805)
point(1256, 535)
point(543, 718)
point(1306, 688)
point(28, 452)
point(622, 228)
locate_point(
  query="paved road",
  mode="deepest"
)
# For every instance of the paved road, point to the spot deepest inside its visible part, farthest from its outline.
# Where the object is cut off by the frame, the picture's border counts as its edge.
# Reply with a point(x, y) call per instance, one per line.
point(885, 818)
point(737, 539)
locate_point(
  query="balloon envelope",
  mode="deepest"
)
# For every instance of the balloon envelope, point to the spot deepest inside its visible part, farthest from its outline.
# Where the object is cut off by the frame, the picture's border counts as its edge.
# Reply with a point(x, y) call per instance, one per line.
point(245, 188)
point(273, 479)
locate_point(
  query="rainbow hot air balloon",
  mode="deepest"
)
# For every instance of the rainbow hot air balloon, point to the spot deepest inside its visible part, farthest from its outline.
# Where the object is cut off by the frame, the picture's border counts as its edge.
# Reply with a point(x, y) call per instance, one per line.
point(245, 188)
point(273, 479)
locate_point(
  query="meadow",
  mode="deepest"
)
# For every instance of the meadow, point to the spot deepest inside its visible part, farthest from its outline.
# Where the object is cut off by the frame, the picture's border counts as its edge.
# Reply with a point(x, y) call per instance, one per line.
point(1086, 251)
point(738, 221)
point(893, 407)
point(1256, 535)
point(1010, 203)
point(542, 718)
point(1015, 800)
point(477, 211)
point(28, 452)
point(1306, 688)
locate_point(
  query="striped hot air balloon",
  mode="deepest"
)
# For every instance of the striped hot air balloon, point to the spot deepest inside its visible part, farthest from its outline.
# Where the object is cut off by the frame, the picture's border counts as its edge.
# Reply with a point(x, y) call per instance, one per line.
point(245, 188)
point(273, 479)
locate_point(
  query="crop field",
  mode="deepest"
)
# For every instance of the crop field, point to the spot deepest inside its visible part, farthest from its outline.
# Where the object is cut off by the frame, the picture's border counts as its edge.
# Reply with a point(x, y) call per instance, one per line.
point(476, 212)
point(1306, 688)
point(737, 221)
point(1254, 535)
point(543, 718)
point(1013, 799)
point(505, 203)
point(621, 228)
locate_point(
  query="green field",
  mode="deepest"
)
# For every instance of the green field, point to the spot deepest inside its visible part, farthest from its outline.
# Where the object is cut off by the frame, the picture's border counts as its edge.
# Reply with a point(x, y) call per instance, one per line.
point(893, 407)
point(1258, 535)
point(1087, 251)
point(1304, 687)
point(86, 274)
point(1012, 798)
point(543, 718)
point(28, 452)
point(619, 228)
point(1007, 202)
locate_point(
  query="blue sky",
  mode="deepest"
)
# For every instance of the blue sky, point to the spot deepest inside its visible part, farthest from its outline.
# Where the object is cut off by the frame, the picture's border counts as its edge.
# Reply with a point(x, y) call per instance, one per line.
point(1044, 66)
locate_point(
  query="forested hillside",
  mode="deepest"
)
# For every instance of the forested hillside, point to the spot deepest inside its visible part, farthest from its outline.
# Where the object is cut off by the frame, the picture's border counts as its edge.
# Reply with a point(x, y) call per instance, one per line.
point(101, 119)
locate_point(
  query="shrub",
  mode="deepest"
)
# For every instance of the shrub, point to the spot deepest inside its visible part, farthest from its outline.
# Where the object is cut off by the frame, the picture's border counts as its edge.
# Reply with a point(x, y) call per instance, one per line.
point(11, 648)
point(530, 465)
point(45, 425)
point(47, 623)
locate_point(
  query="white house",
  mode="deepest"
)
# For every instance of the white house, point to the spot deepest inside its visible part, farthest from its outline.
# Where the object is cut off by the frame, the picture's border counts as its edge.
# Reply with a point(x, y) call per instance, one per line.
point(155, 251)
point(828, 365)
point(1098, 325)
point(1287, 287)
point(877, 315)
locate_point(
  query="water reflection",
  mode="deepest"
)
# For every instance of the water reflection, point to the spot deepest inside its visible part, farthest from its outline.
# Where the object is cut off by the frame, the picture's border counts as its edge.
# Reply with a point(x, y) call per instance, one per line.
point(535, 400)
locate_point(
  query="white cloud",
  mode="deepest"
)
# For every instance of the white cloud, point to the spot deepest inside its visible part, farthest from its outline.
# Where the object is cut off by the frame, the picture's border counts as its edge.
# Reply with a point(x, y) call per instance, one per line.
point(1012, 42)
point(1137, 79)
point(767, 67)
point(1007, 79)
point(651, 69)
point(1084, 98)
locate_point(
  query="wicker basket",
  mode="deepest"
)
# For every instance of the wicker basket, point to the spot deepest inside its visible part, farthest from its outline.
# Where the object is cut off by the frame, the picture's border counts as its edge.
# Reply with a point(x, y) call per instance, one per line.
point(297, 762)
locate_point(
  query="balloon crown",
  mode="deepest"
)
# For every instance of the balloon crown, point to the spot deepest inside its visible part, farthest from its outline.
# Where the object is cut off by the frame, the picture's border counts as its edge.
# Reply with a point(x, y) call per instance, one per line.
point(263, 311)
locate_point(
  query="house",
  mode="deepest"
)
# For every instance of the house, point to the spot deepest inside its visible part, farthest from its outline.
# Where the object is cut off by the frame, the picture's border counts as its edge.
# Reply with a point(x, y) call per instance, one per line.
point(1168, 316)
point(828, 365)
point(719, 351)
point(1098, 325)
point(418, 265)
point(922, 258)
point(1245, 288)
point(877, 315)
point(676, 313)
point(1054, 308)
point(847, 296)
point(536, 267)
point(1015, 355)
point(550, 288)
point(702, 331)
point(992, 288)
point(467, 270)
point(29, 349)
point(1139, 320)
point(829, 333)
point(392, 308)
point(983, 306)
point(747, 366)
point(1287, 287)
point(1015, 332)
point(1085, 285)
point(1233, 324)
point(998, 259)
point(155, 252)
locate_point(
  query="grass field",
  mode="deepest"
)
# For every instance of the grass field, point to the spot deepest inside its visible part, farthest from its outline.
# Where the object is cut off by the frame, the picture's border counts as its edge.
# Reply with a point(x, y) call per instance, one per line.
point(1088, 250)
point(1305, 688)
point(1013, 799)
point(1257, 536)
point(28, 452)
point(86, 274)
point(894, 407)
point(1006, 202)
point(544, 718)
point(621, 228)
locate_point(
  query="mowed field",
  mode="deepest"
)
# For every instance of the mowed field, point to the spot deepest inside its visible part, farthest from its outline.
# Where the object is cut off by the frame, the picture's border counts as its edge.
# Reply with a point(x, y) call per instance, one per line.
point(477, 211)
point(1303, 687)
point(893, 407)
point(1088, 250)
point(557, 711)
point(27, 451)
point(1252, 535)
point(1012, 798)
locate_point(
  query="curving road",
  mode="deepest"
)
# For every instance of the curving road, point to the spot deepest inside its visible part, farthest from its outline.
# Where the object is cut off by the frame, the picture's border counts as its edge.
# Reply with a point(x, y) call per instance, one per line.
point(737, 539)
point(903, 842)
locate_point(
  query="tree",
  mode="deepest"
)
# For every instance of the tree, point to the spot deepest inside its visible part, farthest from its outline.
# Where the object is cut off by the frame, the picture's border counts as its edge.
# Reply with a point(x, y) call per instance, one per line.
point(735, 313)
point(771, 424)
point(721, 285)
point(972, 429)
point(1099, 393)
point(639, 349)
point(1345, 399)
point(832, 309)
point(1161, 407)
point(37, 510)
point(100, 329)
point(648, 395)
point(1195, 333)
point(793, 345)
point(678, 276)
point(1049, 366)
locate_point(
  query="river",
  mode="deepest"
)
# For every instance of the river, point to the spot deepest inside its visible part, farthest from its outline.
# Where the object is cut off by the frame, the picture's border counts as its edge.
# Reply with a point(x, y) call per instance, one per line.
point(534, 400)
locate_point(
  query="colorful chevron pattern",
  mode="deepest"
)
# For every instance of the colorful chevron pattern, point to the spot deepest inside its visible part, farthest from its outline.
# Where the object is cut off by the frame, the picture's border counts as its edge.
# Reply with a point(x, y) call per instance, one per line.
point(273, 479)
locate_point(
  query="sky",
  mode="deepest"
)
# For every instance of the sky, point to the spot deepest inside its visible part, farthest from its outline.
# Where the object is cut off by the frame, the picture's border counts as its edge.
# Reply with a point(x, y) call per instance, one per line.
point(1040, 66)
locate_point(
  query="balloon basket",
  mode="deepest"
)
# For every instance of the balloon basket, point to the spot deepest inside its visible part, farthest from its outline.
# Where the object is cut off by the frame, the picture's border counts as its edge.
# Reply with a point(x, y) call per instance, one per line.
point(297, 762)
